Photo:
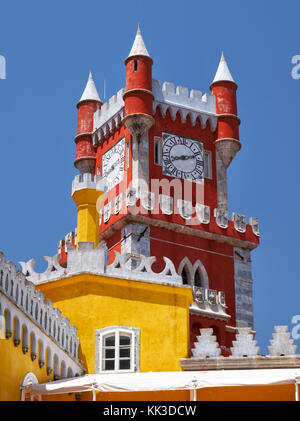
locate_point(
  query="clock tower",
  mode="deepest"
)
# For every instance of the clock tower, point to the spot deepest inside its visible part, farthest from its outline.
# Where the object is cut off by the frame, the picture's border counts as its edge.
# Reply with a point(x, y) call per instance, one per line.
point(164, 152)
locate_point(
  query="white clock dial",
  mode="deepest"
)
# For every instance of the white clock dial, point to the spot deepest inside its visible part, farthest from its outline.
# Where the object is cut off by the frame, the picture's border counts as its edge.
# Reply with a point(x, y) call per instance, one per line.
point(182, 158)
point(113, 164)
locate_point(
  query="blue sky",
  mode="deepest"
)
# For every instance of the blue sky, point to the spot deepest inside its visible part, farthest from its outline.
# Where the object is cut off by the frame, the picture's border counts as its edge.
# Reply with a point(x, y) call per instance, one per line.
point(49, 49)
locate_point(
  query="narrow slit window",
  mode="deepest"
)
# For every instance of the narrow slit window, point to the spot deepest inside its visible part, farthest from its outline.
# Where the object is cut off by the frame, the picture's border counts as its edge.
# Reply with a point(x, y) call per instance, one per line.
point(157, 150)
point(127, 151)
point(207, 164)
point(135, 65)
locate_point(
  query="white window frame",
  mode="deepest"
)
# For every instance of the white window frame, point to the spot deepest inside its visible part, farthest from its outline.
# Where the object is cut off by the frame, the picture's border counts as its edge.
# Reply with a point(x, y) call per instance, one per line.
point(100, 336)
point(207, 161)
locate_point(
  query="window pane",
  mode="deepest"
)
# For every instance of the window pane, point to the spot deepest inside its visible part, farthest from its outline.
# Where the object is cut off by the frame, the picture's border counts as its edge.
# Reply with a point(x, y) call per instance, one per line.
point(110, 341)
point(124, 352)
point(109, 364)
point(124, 340)
point(124, 364)
point(110, 353)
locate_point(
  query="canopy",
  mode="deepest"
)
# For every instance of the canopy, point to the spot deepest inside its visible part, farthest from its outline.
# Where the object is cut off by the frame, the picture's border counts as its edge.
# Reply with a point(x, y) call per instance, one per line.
point(173, 380)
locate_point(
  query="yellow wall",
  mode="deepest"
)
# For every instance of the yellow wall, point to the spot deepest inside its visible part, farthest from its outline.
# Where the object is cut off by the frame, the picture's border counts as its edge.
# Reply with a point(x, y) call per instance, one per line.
point(14, 365)
point(236, 393)
point(161, 312)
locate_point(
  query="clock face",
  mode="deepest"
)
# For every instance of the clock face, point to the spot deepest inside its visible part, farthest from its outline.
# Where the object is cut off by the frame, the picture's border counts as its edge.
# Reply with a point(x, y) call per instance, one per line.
point(182, 158)
point(113, 164)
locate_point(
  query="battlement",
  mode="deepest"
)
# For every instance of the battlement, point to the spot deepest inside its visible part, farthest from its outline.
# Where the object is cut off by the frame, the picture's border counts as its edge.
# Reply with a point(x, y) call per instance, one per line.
point(33, 303)
point(191, 215)
point(180, 95)
point(209, 302)
point(110, 115)
point(88, 181)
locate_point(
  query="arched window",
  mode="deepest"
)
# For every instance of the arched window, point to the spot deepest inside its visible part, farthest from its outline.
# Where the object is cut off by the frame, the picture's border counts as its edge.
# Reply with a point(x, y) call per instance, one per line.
point(198, 279)
point(29, 380)
point(185, 278)
point(117, 349)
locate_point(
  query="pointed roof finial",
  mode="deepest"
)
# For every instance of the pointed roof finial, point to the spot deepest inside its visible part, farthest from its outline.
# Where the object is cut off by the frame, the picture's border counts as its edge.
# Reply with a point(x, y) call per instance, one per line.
point(223, 72)
point(90, 92)
point(138, 47)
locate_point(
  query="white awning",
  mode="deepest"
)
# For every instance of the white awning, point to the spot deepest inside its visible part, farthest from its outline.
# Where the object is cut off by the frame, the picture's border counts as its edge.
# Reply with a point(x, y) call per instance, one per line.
point(172, 380)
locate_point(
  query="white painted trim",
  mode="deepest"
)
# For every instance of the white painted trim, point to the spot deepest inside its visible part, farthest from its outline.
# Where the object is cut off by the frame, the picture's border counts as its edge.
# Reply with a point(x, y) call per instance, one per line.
point(100, 335)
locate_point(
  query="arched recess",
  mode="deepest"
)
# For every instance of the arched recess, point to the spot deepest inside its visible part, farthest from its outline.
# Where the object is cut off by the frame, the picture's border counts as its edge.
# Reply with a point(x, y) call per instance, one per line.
point(63, 370)
point(41, 353)
point(28, 380)
point(25, 339)
point(194, 275)
point(33, 346)
point(17, 331)
point(8, 324)
point(49, 360)
point(200, 275)
point(185, 270)
point(56, 367)
point(70, 373)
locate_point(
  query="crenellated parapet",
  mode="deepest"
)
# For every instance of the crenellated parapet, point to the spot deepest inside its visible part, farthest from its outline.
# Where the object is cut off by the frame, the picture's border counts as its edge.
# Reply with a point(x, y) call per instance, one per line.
point(179, 100)
point(191, 215)
point(88, 181)
point(15, 286)
point(197, 106)
point(244, 352)
point(109, 117)
point(209, 303)
point(86, 259)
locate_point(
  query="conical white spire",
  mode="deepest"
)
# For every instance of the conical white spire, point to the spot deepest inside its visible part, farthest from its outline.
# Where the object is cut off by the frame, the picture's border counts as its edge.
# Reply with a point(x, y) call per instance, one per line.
point(138, 48)
point(223, 72)
point(90, 92)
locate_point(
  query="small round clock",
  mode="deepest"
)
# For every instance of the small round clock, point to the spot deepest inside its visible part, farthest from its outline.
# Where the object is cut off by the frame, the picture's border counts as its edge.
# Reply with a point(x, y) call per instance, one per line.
point(182, 157)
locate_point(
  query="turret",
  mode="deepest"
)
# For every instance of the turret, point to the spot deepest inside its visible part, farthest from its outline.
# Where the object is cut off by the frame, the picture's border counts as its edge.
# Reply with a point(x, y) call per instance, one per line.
point(88, 104)
point(86, 190)
point(138, 98)
point(224, 89)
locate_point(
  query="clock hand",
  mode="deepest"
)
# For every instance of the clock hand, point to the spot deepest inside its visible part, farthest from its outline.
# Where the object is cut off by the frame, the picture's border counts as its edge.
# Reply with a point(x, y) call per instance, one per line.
point(182, 157)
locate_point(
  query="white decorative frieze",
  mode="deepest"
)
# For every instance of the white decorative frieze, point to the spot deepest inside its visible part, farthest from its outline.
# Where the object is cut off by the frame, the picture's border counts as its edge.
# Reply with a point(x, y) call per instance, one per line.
point(166, 204)
point(148, 200)
point(245, 345)
point(195, 105)
point(203, 213)
point(199, 294)
point(221, 216)
point(131, 196)
point(212, 297)
point(69, 241)
point(107, 212)
point(143, 269)
point(209, 303)
point(206, 345)
point(118, 203)
point(281, 344)
point(239, 222)
point(185, 208)
point(254, 223)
